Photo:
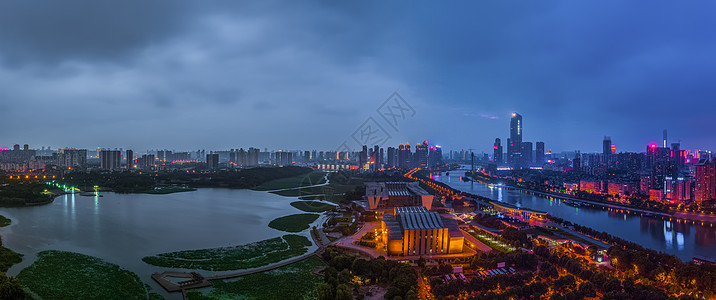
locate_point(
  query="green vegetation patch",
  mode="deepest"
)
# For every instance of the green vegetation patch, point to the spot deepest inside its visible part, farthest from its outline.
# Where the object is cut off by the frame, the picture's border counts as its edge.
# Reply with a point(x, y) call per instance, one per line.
point(246, 256)
point(25, 193)
point(293, 223)
point(309, 191)
point(295, 281)
point(313, 178)
point(490, 242)
point(67, 275)
point(312, 206)
point(4, 221)
point(8, 258)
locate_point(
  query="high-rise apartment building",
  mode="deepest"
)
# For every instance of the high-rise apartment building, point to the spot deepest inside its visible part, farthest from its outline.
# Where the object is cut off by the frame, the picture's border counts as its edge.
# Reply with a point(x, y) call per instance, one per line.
point(130, 159)
point(421, 155)
point(705, 181)
point(73, 158)
point(212, 160)
point(110, 159)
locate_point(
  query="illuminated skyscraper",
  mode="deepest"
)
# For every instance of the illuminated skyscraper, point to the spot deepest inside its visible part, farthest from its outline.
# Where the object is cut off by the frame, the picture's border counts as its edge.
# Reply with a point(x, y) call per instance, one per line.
point(705, 181)
point(497, 152)
point(607, 150)
point(515, 142)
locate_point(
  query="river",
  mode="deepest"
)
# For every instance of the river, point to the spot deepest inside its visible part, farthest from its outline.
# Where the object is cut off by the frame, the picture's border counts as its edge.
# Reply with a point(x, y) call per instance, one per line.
point(684, 240)
point(123, 228)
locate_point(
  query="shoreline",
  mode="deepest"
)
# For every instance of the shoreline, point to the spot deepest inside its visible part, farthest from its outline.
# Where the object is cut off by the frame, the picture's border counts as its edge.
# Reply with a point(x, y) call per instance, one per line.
point(693, 217)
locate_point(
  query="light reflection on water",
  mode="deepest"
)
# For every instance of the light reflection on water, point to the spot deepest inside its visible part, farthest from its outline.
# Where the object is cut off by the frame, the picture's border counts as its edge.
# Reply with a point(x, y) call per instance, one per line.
point(682, 239)
point(123, 228)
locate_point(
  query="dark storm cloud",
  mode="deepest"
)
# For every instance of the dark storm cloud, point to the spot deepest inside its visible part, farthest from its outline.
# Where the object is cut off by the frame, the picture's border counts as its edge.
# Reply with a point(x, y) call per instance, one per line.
point(53, 31)
point(223, 74)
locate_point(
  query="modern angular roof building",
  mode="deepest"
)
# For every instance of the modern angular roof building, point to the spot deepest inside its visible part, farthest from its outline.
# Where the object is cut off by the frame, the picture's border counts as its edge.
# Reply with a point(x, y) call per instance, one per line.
point(388, 195)
point(413, 230)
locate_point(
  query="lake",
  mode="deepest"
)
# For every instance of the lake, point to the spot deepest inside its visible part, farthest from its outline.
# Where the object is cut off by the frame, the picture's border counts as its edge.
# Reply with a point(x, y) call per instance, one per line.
point(123, 228)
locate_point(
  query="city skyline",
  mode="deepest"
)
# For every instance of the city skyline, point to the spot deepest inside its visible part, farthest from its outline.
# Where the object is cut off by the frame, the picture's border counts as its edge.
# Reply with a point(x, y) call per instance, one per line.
point(190, 76)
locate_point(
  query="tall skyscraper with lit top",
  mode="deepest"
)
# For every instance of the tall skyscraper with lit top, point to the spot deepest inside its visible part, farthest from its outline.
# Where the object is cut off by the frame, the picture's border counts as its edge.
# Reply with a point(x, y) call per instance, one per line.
point(515, 142)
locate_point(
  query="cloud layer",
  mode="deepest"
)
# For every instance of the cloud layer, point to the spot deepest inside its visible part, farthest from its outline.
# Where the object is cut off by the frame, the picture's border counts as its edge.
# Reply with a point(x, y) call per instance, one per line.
point(183, 75)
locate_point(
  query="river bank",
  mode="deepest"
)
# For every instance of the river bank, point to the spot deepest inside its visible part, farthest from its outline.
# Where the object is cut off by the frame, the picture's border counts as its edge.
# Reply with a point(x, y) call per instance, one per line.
point(693, 217)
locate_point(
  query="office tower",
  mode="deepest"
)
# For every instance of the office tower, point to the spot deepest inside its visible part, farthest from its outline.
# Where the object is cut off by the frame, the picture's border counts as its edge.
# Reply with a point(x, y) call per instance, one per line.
point(539, 153)
point(73, 158)
point(497, 152)
point(130, 159)
point(515, 142)
point(607, 146)
point(110, 159)
point(212, 160)
point(606, 150)
point(705, 181)
point(665, 146)
point(421, 155)
point(527, 154)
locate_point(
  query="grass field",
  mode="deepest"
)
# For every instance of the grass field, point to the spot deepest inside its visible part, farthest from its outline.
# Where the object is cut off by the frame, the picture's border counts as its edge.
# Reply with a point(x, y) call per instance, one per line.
point(312, 206)
point(4, 221)
point(246, 256)
point(67, 275)
point(295, 281)
point(8, 258)
point(293, 223)
point(303, 192)
point(487, 240)
point(313, 178)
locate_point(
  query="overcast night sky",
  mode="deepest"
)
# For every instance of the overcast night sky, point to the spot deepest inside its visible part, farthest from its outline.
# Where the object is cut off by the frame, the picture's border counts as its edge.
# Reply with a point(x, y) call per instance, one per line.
point(188, 75)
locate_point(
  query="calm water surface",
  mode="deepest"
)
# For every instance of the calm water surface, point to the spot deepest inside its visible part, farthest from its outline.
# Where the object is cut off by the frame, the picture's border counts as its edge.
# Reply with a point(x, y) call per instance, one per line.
point(677, 238)
point(123, 228)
